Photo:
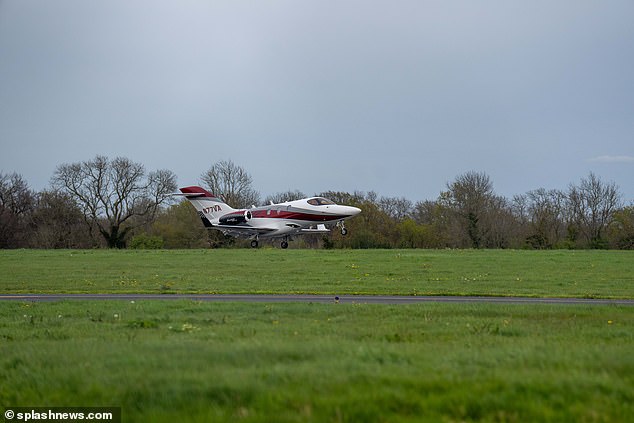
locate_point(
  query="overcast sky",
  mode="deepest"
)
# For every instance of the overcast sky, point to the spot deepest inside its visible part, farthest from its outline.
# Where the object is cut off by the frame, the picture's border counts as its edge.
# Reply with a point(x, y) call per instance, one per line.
point(399, 97)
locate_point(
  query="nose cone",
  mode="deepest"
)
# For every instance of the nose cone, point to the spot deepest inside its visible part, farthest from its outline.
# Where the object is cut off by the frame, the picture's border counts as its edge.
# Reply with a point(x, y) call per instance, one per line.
point(353, 211)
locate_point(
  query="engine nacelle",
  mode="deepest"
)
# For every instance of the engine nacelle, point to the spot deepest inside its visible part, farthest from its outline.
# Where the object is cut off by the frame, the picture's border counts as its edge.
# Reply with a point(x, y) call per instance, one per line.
point(235, 218)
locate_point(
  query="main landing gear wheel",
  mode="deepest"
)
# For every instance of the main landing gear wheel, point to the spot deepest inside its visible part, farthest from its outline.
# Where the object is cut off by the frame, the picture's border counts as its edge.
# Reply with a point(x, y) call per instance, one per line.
point(254, 243)
point(344, 231)
point(284, 245)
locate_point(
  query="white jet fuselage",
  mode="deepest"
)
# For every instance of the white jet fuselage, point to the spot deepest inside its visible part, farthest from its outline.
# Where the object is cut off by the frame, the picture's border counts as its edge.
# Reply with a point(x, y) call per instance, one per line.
point(286, 218)
point(308, 215)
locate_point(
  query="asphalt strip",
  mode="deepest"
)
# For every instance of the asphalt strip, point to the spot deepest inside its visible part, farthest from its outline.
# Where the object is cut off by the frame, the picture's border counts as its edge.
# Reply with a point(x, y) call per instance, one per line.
point(343, 299)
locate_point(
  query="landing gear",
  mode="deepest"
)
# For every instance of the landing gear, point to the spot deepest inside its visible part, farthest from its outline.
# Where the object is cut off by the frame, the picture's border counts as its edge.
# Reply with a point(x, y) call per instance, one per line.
point(284, 245)
point(254, 243)
point(341, 225)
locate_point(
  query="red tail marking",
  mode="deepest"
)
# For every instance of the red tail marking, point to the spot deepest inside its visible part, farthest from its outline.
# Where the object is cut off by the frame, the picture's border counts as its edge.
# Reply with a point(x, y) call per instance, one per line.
point(196, 190)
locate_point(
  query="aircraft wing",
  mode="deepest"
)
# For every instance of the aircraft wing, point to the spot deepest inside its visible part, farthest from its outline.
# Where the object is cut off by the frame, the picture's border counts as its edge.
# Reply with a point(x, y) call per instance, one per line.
point(244, 230)
point(320, 229)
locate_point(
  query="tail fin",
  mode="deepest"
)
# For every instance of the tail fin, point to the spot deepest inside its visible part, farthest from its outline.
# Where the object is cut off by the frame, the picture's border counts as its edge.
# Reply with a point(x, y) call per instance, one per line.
point(209, 207)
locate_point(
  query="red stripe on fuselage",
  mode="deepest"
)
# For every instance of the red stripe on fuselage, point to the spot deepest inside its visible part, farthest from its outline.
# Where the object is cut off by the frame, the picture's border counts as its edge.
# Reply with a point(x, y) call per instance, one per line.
point(282, 214)
point(303, 216)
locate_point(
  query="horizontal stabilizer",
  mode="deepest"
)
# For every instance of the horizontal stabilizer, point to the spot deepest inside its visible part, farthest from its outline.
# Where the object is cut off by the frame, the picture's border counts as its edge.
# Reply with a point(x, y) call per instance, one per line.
point(188, 194)
point(194, 191)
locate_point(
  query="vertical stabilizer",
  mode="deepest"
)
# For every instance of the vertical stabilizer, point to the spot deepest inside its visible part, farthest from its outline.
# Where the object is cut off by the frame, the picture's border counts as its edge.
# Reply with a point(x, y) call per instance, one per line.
point(208, 206)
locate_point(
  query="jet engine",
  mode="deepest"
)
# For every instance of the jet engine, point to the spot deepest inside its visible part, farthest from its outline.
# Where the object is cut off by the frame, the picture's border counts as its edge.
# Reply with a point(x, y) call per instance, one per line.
point(235, 218)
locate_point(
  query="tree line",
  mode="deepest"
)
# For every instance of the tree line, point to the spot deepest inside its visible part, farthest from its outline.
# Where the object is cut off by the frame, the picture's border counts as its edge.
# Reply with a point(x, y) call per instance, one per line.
point(117, 203)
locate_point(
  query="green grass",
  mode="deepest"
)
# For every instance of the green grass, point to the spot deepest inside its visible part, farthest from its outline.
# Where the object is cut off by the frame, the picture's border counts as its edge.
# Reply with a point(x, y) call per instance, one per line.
point(590, 274)
point(297, 362)
point(198, 361)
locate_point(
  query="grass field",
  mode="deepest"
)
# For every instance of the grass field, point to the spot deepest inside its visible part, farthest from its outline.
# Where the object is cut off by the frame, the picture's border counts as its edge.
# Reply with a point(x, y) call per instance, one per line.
point(297, 362)
point(193, 361)
point(590, 274)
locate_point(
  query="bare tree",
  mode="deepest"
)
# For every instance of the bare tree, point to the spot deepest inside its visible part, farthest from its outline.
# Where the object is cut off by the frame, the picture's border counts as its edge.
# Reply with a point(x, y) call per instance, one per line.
point(16, 204)
point(58, 222)
point(232, 183)
point(470, 196)
point(114, 195)
point(592, 205)
point(544, 216)
point(341, 197)
point(282, 197)
point(398, 208)
point(507, 230)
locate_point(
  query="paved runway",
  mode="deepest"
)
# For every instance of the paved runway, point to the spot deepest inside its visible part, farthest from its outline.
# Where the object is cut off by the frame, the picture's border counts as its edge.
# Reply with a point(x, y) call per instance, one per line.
point(345, 299)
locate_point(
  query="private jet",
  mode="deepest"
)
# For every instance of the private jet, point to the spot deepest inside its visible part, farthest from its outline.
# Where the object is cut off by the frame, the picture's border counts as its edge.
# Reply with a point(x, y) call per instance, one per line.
point(313, 215)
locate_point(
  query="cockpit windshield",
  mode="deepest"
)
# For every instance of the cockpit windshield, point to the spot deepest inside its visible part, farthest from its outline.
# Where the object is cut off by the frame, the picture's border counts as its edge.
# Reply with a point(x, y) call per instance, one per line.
point(319, 201)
